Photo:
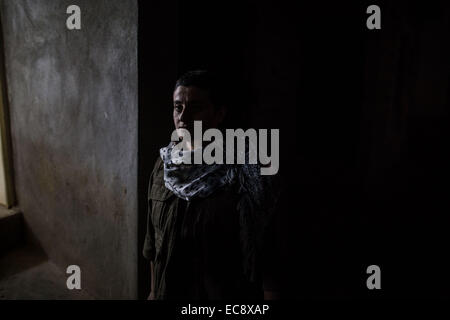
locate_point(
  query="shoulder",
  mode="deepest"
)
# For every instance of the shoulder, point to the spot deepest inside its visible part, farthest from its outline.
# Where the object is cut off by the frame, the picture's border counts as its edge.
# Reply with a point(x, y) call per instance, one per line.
point(157, 175)
point(156, 187)
point(159, 166)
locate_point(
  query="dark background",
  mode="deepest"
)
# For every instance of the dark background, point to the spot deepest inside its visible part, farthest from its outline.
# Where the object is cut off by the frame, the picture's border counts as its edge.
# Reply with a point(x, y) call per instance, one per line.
point(363, 119)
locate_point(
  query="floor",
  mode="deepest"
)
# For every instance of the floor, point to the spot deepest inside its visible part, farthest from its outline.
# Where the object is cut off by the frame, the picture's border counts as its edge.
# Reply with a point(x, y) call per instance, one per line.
point(26, 274)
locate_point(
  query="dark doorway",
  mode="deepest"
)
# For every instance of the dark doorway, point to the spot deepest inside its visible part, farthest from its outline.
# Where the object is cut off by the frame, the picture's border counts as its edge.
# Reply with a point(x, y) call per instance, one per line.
point(339, 94)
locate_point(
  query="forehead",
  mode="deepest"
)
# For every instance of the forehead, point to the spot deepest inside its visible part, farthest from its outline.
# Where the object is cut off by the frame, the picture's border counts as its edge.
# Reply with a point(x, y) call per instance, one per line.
point(190, 94)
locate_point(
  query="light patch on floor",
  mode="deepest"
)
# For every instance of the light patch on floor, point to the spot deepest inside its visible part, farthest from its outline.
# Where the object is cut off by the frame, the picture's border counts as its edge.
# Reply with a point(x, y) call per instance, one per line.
point(26, 274)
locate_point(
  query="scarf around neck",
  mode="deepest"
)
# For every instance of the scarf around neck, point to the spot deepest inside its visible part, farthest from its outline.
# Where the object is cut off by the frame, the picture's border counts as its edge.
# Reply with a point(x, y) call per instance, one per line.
point(258, 196)
point(189, 181)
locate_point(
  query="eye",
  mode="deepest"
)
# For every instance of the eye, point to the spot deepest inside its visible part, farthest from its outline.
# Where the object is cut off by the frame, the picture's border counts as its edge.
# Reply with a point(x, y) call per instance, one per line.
point(178, 108)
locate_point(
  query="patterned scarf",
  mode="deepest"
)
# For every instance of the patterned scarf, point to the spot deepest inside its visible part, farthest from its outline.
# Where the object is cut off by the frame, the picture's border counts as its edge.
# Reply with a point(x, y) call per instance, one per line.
point(188, 181)
point(258, 196)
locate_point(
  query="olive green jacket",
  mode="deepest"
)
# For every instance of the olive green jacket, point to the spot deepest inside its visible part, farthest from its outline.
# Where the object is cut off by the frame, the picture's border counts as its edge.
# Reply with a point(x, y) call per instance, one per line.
point(195, 245)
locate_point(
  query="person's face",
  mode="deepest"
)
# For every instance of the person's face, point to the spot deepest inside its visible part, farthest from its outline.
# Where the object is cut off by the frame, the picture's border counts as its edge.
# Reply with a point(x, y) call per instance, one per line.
point(193, 104)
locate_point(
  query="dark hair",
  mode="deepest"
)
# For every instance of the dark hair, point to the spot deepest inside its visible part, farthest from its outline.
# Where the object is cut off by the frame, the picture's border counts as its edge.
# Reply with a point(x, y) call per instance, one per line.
point(205, 80)
point(217, 85)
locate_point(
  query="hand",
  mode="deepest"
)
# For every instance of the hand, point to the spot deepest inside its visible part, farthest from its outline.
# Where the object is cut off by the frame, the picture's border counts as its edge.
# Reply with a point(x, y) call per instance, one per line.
point(272, 295)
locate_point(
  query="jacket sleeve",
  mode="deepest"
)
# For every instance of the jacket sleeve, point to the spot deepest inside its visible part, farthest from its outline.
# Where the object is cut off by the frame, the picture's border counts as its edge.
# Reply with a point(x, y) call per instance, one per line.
point(149, 242)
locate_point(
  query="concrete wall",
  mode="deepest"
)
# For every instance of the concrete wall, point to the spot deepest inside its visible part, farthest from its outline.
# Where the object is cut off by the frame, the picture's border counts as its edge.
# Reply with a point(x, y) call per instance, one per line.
point(74, 113)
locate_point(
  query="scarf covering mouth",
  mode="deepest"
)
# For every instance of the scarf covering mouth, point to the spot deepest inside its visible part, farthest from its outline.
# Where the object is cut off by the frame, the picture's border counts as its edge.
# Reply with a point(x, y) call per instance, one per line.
point(258, 196)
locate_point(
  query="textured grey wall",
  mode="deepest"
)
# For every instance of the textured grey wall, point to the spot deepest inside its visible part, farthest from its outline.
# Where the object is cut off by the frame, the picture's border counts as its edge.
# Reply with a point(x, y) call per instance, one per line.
point(74, 113)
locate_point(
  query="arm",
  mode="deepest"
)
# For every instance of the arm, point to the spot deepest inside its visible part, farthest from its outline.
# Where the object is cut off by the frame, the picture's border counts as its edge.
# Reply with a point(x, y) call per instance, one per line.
point(151, 296)
point(149, 244)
